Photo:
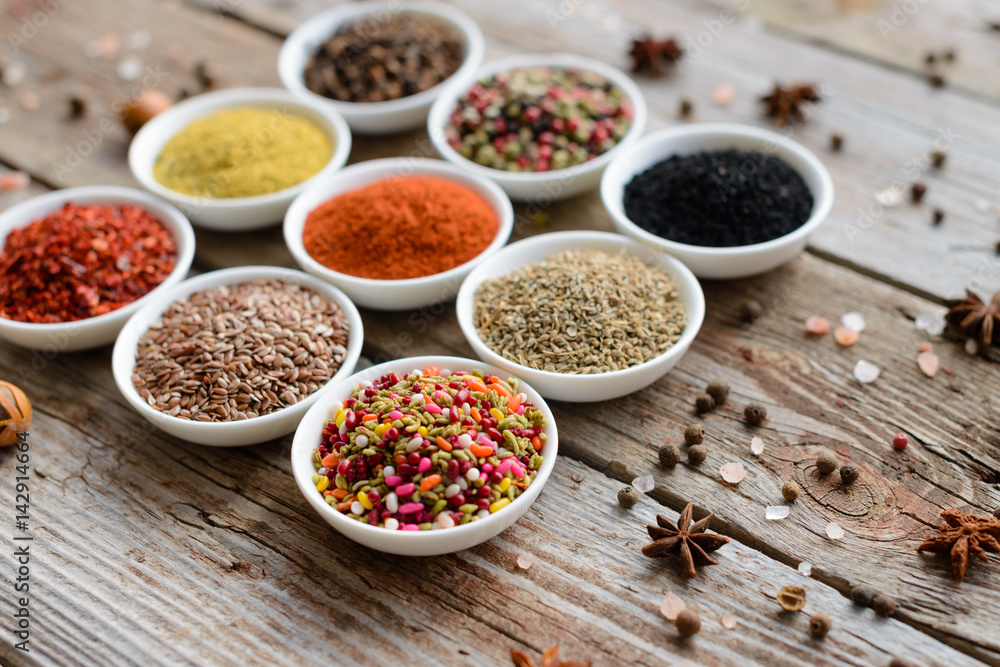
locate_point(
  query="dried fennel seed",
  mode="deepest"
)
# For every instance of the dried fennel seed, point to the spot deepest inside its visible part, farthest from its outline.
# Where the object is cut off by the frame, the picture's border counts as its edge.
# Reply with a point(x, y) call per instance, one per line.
point(581, 313)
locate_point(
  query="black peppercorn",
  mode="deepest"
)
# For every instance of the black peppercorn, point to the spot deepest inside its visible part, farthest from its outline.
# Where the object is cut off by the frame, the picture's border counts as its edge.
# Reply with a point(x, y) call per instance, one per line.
point(77, 107)
point(917, 192)
point(849, 473)
point(900, 662)
point(694, 434)
point(628, 497)
point(938, 216)
point(938, 158)
point(949, 56)
point(685, 109)
point(704, 403)
point(930, 58)
point(751, 310)
point(718, 389)
point(936, 80)
point(790, 490)
point(819, 625)
point(836, 143)
point(826, 462)
point(697, 454)
point(755, 413)
point(884, 605)
point(669, 456)
point(863, 595)
point(688, 622)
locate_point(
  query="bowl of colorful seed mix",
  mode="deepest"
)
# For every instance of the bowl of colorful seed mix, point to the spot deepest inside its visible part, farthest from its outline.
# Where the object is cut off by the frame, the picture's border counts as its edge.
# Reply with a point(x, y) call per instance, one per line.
point(728, 200)
point(235, 159)
point(582, 316)
point(381, 64)
point(426, 455)
point(542, 126)
point(236, 357)
point(75, 264)
point(398, 233)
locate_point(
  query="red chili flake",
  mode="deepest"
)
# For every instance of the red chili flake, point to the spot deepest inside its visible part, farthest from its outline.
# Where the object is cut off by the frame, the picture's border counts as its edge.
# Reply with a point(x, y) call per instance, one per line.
point(82, 261)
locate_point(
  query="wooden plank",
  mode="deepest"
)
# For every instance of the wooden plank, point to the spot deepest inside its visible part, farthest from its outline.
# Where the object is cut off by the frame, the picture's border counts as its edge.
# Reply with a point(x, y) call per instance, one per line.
point(813, 402)
point(152, 551)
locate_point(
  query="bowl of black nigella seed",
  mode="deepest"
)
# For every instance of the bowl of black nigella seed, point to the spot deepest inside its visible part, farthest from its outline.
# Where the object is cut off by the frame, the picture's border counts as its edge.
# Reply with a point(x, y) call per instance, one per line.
point(728, 200)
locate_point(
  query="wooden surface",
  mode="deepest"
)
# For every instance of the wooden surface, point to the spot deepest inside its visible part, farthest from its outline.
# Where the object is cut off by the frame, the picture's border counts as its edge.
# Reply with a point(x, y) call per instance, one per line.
point(153, 551)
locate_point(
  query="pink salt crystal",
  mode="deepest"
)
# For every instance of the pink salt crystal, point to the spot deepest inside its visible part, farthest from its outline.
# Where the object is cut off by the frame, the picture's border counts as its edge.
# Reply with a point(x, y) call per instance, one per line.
point(671, 606)
point(928, 362)
point(733, 473)
point(526, 560)
point(14, 180)
point(724, 95)
point(805, 569)
point(834, 531)
point(728, 622)
point(866, 372)
point(776, 512)
point(756, 446)
point(845, 336)
point(925, 347)
point(817, 326)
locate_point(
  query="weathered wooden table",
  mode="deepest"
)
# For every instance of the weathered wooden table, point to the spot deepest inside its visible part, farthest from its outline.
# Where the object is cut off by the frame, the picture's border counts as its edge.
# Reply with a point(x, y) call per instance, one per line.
point(151, 551)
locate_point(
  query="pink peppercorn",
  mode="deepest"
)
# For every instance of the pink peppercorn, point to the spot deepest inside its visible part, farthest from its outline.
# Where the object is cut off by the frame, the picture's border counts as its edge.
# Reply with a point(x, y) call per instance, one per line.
point(900, 441)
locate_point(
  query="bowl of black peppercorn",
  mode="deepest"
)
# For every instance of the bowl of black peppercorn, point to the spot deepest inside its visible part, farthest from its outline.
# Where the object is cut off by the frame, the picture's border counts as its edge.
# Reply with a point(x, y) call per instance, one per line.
point(728, 200)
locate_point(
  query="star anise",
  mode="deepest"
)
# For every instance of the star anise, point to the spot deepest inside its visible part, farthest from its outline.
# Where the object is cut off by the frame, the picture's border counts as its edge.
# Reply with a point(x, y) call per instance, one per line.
point(963, 535)
point(688, 540)
point(973, 318)
point(652, 56)
point(549, 659)
point(786, 105)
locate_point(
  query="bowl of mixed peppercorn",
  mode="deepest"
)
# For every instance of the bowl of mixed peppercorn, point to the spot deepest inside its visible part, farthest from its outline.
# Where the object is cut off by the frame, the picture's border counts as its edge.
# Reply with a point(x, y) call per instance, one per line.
point(542, 126)
point(75, 264)
point(426, 455)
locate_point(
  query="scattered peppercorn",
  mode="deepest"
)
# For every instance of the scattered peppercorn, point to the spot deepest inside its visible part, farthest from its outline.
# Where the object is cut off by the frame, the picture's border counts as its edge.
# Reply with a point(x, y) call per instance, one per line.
point(704, 403)
point(718, 389)
point(685, 109)
point(884, 605)
point(863, 595)
point(819, 625)
point(697, 454)
point(792, 598)
point(694, 434)
point(790, 490)
point(996, 512)
point(930, 58)
point(143, 107)
point(826, 462)
point(936, 80)
point(917, 192)
point(751, 310)
point(836, 143)
point(900, 662)
point(849, 473)
point(938, 158)
point(205, 80)
point(755, 414)
point(900, 441)
point(949, 56)
point(628, 497)
point(688, 622)
point(669, 456)
point(77, 107)
point(938, 217)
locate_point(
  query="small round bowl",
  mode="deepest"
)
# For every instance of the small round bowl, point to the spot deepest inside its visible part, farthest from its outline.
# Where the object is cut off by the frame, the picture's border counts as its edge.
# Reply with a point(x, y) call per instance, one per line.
point(101, 330)
point(425, 542)
point(719, 263)
point(234, 213)
point(542, 188)
point(410, 292)
point(582, 388)
point(233, 433)
point(372, 118)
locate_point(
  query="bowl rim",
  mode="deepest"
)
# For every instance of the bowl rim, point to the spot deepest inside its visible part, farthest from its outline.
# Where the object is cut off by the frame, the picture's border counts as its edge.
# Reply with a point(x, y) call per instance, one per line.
point(206, 104)
point(381, 169)
point(172, 219)
point(437, 118)
point(685, 281)
point(612, 196)
point(123, 357)
point(291, 68)
point(301, 449)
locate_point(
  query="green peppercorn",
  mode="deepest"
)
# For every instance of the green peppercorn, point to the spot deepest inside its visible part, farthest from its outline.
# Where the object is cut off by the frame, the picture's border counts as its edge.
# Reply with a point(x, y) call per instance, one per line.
point(628, 497)
point(694, 434)
point(863, 595)
point(819, 625)
point(792, 598)
point(704, 403)
point(697, 454)
point(849, 473)
point(670, 456)
point(826, 462)
point(884, 605)
point(755, 414)
point(790, 490)
point(718, 389)
point(688, 622)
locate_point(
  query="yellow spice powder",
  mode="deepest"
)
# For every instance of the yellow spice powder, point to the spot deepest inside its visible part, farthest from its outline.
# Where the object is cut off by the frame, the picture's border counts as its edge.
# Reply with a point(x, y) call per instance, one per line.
point(242, 153)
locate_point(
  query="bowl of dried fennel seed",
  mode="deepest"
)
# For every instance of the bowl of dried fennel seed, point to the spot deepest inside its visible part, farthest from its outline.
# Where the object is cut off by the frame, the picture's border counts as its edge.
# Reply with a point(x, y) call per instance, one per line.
point(581, 316)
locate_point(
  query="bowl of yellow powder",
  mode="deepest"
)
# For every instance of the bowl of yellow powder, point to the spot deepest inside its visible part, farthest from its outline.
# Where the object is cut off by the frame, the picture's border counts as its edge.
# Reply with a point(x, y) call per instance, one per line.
point(235, 159)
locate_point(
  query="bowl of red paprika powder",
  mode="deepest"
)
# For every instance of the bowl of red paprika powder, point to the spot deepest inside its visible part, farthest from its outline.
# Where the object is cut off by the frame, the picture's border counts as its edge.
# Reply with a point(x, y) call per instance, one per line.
point(75, 264)
point(398, 233)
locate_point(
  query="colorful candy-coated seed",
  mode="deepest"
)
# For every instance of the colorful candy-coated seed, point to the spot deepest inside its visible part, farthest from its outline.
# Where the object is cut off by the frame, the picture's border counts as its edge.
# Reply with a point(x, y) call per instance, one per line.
point(504, 483)
point(410, 508)
point(392, 503)
point(443, 444)
point(323, 484)
point(357, 507)
point(499, 505)
point(430, 482)
point(410, 527)
point(406, 490)
point(424, 465)
point(480, 451)
point(365, 502)
point(452, 490)
point(330, 460)
point(391, 524)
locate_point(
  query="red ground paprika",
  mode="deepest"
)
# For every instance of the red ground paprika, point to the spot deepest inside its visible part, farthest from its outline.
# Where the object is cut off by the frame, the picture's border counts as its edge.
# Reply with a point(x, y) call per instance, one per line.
point(404, 227)
point(82, 261)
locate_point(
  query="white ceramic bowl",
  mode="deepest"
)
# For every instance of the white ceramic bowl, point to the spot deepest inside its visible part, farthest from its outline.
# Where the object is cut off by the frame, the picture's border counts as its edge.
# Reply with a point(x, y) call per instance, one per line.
point(405, 113)
point(234, 213)
point(582, 388)
point(719, 263)
point(540, 188)
point(395, 294)
point(233, 433)
point(422, 543)
point(101, 330)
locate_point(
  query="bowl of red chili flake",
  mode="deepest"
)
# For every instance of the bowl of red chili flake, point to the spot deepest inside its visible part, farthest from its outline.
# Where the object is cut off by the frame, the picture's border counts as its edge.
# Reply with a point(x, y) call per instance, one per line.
point(76, 263)
point(426, 455)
